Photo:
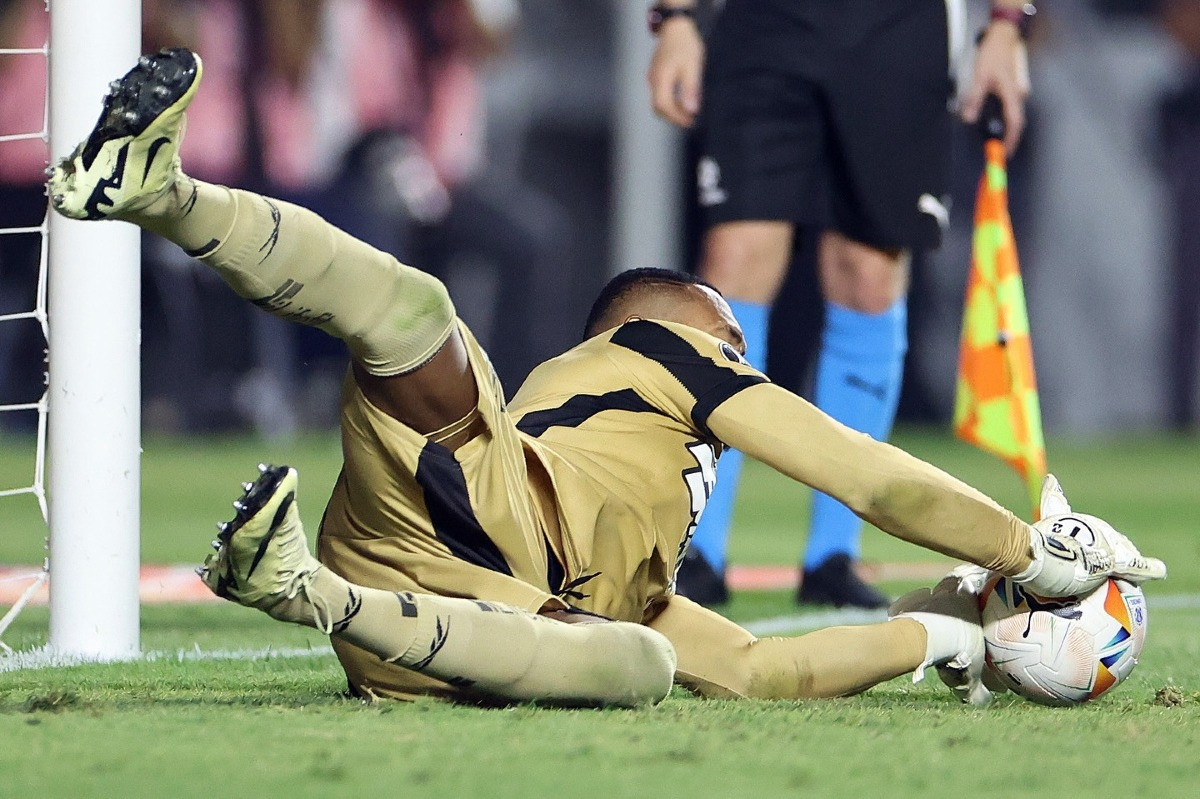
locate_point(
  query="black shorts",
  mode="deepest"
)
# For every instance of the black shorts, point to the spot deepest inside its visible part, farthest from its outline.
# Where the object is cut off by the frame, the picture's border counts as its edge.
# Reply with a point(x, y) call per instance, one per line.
point(829, 113)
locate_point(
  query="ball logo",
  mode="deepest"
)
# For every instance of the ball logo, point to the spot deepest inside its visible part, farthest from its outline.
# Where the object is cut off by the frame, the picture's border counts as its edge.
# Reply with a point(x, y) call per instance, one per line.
point(1137, 608)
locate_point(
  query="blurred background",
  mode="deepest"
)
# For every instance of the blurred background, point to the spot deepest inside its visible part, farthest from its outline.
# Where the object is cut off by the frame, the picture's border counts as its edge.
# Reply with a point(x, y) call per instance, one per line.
point(508, 147)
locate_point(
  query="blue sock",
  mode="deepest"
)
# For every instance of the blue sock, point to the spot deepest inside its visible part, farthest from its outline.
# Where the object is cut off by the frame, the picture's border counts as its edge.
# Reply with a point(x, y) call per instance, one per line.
point(858, 383)
point(712, 534)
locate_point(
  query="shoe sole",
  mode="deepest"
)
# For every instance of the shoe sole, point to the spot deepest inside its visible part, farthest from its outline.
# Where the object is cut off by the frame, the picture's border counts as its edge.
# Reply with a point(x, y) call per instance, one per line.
point(159, 83)
point(152, 95)
point(254, 498)
point(251, 503)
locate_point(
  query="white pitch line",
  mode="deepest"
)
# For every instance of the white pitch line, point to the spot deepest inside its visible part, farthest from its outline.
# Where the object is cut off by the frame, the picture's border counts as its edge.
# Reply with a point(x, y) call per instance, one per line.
point(803, 622)
point(46, 658)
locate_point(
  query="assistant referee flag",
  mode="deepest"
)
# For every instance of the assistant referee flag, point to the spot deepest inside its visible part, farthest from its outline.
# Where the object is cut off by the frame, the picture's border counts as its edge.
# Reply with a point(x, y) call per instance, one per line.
point(996, 405)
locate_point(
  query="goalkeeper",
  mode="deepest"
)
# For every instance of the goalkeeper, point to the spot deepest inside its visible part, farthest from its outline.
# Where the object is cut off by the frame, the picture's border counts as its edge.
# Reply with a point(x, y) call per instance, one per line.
point(464, 537)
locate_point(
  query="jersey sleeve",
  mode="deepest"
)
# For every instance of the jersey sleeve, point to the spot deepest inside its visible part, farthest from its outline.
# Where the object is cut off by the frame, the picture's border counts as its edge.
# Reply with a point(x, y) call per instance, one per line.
point(899, 494)
point(681, 371)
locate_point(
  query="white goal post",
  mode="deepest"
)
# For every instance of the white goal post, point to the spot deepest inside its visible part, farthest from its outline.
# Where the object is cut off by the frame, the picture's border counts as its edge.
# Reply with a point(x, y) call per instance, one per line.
point(95, 330)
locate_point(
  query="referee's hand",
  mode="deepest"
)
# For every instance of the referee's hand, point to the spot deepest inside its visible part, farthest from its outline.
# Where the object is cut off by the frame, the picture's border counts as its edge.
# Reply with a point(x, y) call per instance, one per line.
point(675, 71)
point(1002, 69)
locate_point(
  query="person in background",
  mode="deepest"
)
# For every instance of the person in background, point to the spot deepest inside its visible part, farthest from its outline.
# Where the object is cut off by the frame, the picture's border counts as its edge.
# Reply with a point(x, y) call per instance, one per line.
point(1180, 141)
point(23, 24)
point(835, 118)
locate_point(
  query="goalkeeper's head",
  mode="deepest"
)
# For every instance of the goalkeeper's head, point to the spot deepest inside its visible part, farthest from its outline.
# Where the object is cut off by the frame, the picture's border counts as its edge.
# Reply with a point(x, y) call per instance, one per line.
point(650, 293)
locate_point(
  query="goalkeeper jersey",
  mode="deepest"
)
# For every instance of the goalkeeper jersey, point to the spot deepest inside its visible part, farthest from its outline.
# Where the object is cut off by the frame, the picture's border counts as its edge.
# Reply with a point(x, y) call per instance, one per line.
point(585, 492)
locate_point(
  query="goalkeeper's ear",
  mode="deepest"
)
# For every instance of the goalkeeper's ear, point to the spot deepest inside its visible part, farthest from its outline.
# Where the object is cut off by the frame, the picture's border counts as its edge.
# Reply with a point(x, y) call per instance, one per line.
point(1054, 501)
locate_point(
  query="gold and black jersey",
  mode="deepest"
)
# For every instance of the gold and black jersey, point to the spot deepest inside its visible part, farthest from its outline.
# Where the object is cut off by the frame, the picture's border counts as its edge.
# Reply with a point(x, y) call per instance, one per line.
point(588, 489)
point(620, 423)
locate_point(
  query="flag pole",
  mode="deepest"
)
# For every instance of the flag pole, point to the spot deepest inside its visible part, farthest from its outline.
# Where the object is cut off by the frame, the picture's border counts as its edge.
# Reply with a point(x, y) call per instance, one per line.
point(996, 400)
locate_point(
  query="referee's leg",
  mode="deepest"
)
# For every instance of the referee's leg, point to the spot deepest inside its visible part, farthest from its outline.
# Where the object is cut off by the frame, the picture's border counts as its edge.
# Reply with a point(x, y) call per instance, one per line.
point(858, 377)
point(746, 261)
point(889, 124)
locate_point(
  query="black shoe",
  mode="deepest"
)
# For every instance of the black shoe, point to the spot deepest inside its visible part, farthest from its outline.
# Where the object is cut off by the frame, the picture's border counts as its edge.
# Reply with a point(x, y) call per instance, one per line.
point(699, 581)
point(835, 583)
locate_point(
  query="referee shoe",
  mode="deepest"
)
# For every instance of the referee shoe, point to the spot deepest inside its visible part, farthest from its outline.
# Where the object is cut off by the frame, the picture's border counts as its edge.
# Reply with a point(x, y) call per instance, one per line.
point(835, 583)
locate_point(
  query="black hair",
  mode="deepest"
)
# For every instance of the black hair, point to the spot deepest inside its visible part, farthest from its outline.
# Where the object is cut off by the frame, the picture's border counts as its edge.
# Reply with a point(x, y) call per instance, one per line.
point(632, 280)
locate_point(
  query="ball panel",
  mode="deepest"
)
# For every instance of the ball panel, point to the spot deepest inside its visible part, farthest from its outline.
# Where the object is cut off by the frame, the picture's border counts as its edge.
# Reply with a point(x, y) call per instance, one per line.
point(1114, 605)
point(1062, 651)
point(1105, 679)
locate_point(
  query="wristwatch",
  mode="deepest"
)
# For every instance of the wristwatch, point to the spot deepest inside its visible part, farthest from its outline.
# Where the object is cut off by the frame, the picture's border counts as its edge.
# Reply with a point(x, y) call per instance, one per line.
point(659, 13)
point(1021, 16)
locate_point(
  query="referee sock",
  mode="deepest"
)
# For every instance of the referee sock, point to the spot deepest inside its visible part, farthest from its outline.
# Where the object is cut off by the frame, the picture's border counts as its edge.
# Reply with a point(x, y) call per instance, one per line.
point(858, 383)
point(500, 650)
point(711, 538)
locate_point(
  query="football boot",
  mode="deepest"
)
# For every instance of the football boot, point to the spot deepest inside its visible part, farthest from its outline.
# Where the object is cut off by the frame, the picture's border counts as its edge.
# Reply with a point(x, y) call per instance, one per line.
point(262, 559)
point(132, 155)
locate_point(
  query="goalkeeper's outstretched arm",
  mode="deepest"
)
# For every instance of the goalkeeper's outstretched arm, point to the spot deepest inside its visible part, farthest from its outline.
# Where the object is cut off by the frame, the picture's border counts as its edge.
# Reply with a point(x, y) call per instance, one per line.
point(886, 486)
point(918, 502)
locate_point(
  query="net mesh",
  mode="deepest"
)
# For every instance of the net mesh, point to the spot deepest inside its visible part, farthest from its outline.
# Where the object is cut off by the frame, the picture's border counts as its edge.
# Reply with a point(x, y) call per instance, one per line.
point(18, 585)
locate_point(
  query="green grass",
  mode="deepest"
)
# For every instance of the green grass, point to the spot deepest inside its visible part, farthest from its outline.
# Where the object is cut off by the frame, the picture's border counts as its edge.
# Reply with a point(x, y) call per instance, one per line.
point(187, 486)
point(281, 727)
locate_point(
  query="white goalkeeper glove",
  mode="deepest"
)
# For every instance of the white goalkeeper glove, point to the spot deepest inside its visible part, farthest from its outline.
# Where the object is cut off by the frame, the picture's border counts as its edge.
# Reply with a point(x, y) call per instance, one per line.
point(954, 643)
point(1073, 553)
point(971, 685)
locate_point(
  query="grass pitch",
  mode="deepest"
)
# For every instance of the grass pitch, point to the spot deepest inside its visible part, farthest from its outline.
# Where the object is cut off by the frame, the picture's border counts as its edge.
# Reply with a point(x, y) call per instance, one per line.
point(182, 725)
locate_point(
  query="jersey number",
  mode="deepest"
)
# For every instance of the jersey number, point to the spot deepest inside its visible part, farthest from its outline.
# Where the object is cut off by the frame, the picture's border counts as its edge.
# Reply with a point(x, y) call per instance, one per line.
point(699, 481)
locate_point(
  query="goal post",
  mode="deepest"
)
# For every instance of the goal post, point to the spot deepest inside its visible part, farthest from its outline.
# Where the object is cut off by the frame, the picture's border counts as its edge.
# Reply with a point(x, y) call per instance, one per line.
point(94, 338)
point(647, 156)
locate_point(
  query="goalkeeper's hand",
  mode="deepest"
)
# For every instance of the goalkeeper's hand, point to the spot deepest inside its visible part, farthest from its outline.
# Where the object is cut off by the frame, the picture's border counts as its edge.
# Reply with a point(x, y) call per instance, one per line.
point(1059, 522)
point(970, 580)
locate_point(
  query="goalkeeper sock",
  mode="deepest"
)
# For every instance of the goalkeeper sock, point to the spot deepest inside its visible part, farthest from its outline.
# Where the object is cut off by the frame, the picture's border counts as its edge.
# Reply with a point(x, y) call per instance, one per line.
point(835, 661)
point(290, 262)
point(193, 214)
point(858, 383)
point(711, 538)
point(946, 637)
point(498, 649)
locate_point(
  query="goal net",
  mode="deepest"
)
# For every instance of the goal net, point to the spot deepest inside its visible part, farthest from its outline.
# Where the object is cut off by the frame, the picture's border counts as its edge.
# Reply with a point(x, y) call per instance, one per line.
point(84, 473)
point(21, 581)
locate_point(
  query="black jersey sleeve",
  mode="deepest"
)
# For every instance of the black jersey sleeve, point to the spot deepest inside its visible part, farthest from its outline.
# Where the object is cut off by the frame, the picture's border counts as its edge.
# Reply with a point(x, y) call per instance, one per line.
point(683, 372)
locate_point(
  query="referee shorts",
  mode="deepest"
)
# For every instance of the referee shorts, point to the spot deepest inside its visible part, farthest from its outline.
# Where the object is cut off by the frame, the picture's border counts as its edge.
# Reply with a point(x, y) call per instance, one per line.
point(829, 113)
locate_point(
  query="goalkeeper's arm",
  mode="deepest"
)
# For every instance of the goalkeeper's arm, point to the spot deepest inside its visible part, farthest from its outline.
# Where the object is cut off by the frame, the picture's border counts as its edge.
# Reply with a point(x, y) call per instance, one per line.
point(891, 489)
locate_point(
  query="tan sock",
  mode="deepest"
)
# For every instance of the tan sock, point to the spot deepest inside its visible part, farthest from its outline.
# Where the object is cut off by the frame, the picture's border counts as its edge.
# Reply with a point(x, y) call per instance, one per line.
point(836, 661)
point(498, 650)
point(290, 262)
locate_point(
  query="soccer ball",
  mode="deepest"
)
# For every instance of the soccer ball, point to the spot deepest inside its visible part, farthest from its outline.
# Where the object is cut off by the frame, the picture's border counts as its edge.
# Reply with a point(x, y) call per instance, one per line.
point(1062, 651)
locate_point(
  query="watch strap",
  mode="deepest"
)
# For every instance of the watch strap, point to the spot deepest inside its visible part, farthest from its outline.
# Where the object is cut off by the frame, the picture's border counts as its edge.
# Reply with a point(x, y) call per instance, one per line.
point(658, 14)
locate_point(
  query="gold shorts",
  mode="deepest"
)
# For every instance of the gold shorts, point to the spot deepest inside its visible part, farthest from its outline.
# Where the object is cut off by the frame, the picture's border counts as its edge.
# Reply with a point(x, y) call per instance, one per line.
point(408, 514)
